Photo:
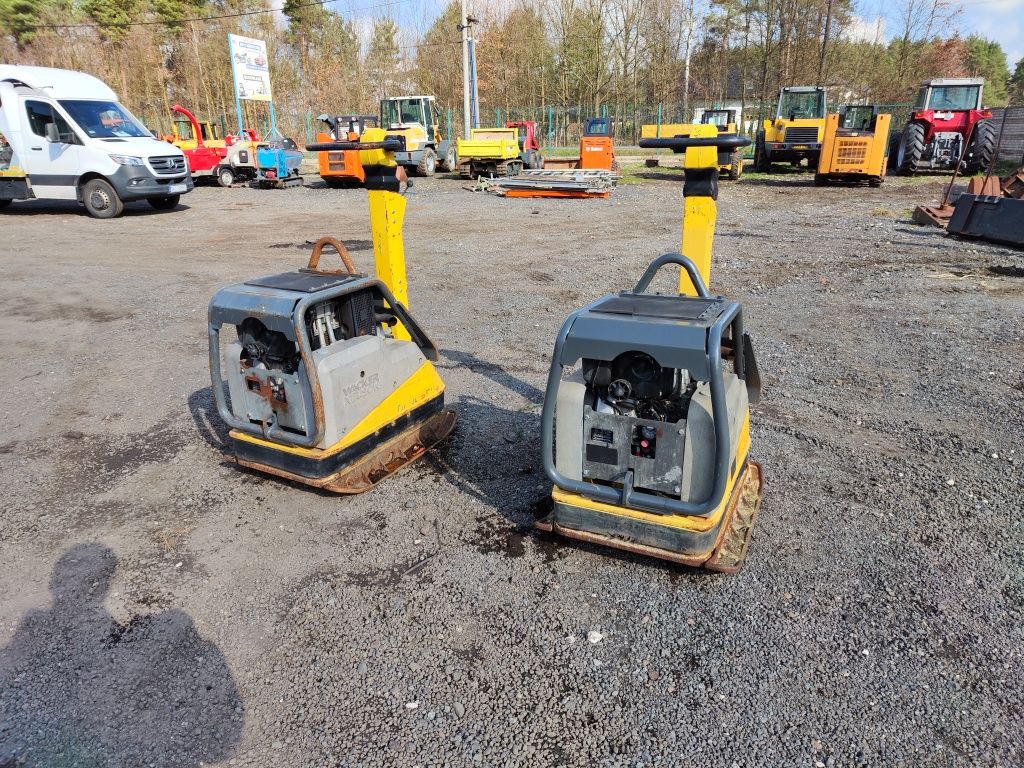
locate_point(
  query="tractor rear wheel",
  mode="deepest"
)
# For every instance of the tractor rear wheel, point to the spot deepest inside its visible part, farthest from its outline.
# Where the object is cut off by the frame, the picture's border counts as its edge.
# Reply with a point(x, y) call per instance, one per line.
point(982, 148)
point(428, 163)
point(911, 149)
point(762, 162)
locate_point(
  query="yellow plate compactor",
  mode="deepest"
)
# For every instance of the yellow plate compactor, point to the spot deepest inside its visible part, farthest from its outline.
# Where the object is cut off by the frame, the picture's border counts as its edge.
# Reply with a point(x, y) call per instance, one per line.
point(330, 379)
point(647, 440)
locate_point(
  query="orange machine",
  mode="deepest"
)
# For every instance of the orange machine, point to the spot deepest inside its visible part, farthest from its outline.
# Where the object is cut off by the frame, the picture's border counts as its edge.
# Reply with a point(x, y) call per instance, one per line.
point(343, 168)
point(597, 152)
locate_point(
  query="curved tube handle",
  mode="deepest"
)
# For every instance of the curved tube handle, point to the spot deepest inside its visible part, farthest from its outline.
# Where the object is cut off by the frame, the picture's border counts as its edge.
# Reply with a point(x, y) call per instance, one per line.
point(318, 247)
point(390, 144)
point(673, 258)
point(731, 141)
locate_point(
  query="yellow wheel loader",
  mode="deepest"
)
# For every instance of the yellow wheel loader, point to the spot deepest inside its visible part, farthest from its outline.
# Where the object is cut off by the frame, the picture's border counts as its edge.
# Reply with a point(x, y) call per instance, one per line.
point(330, 380)
point(647, 439)
point(796, 132)
point(418, 121)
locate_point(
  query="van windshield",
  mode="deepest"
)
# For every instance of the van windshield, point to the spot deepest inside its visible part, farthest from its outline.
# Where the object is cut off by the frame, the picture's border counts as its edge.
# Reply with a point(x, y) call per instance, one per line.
point(103, 119)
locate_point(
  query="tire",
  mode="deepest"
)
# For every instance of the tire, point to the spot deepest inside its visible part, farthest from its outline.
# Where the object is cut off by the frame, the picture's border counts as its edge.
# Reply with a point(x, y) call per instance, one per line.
point(451, 160)
point(894, 147)
point(101, 199)
point(167, 203)
point(225, 176)
point(735, 165)
point(982, 149)
point(5, 203)
point(762, 160)
point(910, 149)
point(428, 163)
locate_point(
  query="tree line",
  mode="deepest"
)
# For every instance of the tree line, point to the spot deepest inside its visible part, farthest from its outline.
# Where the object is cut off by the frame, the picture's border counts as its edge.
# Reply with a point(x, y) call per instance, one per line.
point(611, 56)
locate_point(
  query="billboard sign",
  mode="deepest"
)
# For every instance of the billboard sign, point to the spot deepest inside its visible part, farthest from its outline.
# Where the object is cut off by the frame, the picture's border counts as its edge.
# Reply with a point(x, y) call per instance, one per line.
point(250, 68)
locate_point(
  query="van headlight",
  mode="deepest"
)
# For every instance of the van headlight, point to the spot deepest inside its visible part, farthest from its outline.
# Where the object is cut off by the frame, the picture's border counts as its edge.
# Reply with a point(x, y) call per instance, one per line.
point(127, 160)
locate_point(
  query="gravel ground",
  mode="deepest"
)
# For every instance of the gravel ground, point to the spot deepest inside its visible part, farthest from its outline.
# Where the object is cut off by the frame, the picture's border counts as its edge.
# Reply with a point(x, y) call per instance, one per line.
point(160, 607)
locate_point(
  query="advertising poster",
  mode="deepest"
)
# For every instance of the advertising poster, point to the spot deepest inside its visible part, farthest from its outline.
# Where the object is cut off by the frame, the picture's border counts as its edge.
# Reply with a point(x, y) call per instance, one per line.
point(250, 68)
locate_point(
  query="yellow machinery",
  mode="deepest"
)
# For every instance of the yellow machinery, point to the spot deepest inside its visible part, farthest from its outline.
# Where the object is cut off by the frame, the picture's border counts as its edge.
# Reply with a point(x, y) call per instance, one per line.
point(855, 146)
point(730, 162)
point(494, 152)
point(418, 121)
point(647, 441)
point(796, 132)
point(331, 380)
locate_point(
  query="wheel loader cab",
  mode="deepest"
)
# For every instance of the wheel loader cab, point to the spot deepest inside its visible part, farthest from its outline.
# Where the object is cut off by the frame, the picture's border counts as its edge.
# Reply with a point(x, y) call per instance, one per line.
point(796, 132)
point(418, 120)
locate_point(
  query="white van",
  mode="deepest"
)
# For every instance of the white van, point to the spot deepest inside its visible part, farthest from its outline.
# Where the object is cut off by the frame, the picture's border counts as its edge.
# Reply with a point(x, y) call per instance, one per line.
point(65, 137)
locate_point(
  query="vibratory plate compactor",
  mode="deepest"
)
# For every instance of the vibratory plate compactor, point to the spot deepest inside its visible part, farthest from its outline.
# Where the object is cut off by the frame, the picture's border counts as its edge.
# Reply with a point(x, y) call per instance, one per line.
point(647, 440)
point(330, 378)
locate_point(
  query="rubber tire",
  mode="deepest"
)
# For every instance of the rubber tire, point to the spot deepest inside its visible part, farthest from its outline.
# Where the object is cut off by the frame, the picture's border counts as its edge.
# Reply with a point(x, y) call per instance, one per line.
point(762, 163)
point(894, 147)
point(225, 176)
point(101, 190)
point(166, 203)
point(5, 203)
point(982, 148)
point(910, 150)
point(451, 160)
point(428, 163)
point(735, 165)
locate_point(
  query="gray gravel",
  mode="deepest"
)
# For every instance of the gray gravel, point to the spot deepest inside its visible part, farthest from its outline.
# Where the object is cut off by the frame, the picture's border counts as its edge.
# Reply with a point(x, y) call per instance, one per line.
point(160, 607)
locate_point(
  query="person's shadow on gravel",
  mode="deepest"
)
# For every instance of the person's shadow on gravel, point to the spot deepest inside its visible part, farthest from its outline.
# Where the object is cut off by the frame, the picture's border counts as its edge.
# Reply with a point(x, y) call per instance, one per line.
point(79, 689)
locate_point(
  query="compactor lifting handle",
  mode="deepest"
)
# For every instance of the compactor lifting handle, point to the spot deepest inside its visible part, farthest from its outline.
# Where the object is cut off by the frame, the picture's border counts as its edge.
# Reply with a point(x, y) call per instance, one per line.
point(673, 258)
point(685, 142)
point(318, 247)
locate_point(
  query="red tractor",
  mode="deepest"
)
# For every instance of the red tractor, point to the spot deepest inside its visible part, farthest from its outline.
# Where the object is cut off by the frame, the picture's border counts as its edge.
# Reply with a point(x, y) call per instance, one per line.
point(947, 127)
point(529, 149)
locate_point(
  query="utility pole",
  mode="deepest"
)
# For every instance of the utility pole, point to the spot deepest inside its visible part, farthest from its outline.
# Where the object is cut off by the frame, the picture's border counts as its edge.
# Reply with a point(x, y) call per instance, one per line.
point(470, 98)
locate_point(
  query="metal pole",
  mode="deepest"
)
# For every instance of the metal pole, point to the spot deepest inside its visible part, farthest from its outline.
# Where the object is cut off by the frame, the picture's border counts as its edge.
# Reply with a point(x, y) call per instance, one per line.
point(474, 95)
point(234, 87)
point(466, 93)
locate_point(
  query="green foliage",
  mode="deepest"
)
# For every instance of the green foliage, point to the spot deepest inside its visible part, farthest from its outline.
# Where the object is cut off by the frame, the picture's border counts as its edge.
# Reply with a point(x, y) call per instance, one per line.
point(172, 11)
point(1016, 85)
point(383, 55)
point(19, 18)
point(439, 58)
point(113, 16)
point(986, 59)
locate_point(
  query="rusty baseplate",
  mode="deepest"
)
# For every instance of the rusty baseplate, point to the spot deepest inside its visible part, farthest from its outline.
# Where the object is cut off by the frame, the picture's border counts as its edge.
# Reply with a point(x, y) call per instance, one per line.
point(733, 543)
point(1013, 185)
point(936, 216)
point(383, 460)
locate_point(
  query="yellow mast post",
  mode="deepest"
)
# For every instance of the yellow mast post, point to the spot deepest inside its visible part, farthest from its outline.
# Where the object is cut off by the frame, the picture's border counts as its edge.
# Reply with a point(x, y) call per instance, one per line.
point(387, 217)
point(699, 209)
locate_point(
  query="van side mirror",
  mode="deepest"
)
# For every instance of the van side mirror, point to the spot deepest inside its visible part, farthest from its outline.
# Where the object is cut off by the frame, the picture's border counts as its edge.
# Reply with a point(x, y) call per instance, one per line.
point(52, 135)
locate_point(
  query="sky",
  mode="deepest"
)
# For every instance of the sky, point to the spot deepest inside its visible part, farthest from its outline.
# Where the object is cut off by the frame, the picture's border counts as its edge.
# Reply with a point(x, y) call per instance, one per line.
point(999, 20)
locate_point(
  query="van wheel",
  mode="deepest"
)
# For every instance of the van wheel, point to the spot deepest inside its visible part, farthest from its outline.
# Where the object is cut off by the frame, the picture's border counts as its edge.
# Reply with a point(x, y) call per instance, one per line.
point(225, 176)
point(167, 203)
point(101, 200)
point(5, 203)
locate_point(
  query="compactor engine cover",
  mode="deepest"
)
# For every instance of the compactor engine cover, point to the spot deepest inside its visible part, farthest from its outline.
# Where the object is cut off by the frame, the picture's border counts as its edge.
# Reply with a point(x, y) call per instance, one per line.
point(647, 439)
point(320, 388)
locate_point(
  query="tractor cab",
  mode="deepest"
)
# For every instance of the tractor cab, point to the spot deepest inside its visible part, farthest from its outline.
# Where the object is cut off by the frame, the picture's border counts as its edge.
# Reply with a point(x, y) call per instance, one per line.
point(950, 94)
point(796, 132)
point(527, 133)
point(598, 126)
point(858, 118)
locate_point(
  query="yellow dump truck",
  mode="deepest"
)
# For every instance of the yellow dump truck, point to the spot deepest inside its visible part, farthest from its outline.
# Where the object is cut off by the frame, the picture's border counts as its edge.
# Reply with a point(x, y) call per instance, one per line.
point(495, 152)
